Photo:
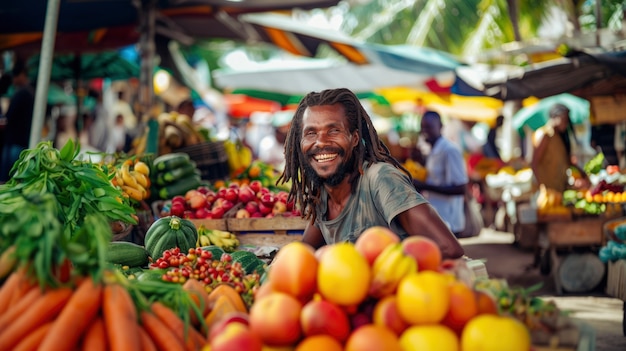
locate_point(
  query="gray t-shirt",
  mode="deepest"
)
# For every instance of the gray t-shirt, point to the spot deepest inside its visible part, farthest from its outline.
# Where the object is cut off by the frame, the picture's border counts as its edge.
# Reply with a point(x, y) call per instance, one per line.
point(381, 194)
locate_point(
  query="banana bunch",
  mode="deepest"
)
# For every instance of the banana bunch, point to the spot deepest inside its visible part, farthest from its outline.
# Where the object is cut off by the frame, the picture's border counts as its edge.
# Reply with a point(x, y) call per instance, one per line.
point(134, 182)
point(239, 156)
point(389, 268)
point(226, 240)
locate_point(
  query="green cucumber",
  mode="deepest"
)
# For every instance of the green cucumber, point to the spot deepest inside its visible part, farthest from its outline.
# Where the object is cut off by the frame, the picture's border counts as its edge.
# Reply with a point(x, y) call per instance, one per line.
point(172, 175)
point(181, 186)
point(170, 161)
point(127, 254)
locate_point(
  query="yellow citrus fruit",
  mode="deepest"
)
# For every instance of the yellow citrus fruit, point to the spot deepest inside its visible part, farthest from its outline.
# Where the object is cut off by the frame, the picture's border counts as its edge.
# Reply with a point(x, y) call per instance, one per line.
point(424, 297)
point(343, 275)
point(429, 337)
point(488, 332)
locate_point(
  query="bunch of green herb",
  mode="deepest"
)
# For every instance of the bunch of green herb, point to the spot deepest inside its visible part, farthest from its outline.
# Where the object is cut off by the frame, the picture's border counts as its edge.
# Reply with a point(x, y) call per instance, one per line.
point(56, 208)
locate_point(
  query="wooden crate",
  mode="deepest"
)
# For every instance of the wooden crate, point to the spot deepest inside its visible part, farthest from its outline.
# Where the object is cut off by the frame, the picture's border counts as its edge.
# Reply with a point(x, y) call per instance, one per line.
point(276, 231)
point(576, 232)
point(219, 224)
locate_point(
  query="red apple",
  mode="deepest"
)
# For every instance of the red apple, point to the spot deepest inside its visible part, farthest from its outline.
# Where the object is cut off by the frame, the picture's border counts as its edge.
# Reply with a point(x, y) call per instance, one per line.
point(268, 200)
point(202, 213)
point(246, 194)
point(252, 207)
point(265, 210)
point(210, 196)
point(197, 201)
point(189, 214)
point(256, 186)
point(179, 199)
point(232, 194)
point(227, 205)
point(221, 192)
point(177, 209)
point(233, 185)
point(203, 189)
point(217, 212)
point(256, 215)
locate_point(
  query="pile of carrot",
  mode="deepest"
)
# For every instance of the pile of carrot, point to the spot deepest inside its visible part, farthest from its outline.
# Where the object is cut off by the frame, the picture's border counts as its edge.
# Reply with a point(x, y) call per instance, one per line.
point(92, 316)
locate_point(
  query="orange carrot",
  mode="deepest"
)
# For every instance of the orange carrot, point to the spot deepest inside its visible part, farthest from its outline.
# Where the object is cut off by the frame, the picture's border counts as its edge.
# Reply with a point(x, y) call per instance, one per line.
point(146, 342)
point(189, 336)
point(46, 308)
point(23, 287)
point(95, 337)
point(120, 318)
point(75, 317)
point(163, 337)
point(20, 307)
point(9, 287)
point(32, 341)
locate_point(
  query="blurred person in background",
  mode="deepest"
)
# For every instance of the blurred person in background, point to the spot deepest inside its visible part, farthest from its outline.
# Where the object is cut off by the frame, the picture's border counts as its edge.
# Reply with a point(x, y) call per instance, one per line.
point(19, 119)
point(552, 151)
point(447, 179)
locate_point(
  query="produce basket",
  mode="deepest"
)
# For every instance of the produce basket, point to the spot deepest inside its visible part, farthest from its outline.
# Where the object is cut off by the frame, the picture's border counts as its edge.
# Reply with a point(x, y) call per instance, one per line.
point(211, 159)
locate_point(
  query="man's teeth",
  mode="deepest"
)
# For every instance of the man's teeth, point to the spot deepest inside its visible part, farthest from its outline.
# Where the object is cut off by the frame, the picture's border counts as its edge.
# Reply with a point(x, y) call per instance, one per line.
point(325, 157)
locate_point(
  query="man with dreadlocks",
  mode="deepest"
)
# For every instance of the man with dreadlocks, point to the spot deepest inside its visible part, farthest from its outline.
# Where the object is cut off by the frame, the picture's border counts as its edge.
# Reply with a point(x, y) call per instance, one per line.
point(345, 180)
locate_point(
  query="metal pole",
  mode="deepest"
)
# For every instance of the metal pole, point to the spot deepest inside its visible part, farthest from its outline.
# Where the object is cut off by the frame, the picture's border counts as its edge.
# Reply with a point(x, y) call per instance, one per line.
point(45, 66)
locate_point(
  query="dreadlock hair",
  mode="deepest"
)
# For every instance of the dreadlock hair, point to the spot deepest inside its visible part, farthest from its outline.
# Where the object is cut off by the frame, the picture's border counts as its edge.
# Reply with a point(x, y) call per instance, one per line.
point(306, 192)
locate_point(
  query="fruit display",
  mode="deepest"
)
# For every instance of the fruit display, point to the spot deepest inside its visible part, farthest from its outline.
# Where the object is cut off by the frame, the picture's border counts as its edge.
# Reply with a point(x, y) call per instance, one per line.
point(174, 174)
point(346, 297)
point(239, 156)
point(251, 200)
point(132, 176)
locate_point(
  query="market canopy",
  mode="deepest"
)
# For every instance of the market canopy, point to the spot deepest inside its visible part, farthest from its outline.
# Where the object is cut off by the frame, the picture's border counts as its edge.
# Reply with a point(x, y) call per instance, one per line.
point(570, 74)
point(88, 66)
point(96, 25)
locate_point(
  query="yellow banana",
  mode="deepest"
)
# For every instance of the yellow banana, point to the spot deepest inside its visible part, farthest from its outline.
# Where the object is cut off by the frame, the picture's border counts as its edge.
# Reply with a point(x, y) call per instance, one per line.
point(140, 178)
point(133, 193)
point(389, 268)
point(142, 167)
point(118, 178)
point(245, 156)
point(129, 180)
point(204, 240)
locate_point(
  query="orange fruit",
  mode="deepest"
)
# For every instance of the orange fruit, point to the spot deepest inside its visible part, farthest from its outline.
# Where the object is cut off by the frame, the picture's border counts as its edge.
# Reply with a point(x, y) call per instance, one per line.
point(463, 306)
point(343, 275)
point(318, 343)
point(488, 332)
point(372, 337)
point(485, 303)
point(424, 297)
point(254, 172)
point(430, 337)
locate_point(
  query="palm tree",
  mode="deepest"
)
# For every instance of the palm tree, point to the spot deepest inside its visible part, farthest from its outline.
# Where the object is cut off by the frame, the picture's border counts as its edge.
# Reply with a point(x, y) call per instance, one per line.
point(467, 28)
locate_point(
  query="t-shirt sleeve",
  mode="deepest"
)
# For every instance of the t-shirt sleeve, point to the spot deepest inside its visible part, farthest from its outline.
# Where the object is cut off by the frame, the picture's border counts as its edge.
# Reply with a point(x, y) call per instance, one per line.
point(393, 192)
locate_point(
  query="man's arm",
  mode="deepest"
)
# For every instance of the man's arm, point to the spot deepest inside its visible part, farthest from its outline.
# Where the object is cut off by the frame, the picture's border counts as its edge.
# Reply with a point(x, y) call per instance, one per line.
point(313, 236)
point(441, 189)
point(424, 220)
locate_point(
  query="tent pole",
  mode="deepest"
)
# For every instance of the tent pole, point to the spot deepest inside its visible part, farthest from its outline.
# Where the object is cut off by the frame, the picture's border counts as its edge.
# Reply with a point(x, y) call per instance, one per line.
point(45, 66)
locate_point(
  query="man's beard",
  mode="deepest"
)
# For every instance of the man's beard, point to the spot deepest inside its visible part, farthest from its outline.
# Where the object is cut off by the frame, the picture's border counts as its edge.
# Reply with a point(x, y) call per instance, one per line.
point(336, 178)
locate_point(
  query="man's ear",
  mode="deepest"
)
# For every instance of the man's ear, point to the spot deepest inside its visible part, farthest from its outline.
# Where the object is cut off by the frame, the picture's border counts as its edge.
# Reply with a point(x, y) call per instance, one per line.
point(355, 139)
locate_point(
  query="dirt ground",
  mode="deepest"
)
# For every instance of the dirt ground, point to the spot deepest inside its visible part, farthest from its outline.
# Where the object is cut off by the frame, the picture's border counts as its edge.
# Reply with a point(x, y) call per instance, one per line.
point(602, 313)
